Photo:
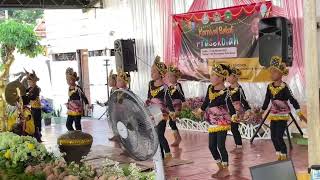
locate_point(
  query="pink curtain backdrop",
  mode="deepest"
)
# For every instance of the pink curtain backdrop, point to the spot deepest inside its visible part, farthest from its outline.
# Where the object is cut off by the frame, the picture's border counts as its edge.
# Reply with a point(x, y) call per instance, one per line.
point(197, 5)
point(166, 6)
point(293, 10)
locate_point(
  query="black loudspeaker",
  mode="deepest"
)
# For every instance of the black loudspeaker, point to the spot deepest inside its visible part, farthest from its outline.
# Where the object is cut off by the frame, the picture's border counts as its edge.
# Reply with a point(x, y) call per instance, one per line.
point(275, 39)
point(125, 55)
point(283, 170)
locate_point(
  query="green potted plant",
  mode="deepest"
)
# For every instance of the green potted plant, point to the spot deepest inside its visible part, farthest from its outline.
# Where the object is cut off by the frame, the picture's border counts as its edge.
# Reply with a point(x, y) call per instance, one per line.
point(47, 111)
point(57, 115)
point(47, 117)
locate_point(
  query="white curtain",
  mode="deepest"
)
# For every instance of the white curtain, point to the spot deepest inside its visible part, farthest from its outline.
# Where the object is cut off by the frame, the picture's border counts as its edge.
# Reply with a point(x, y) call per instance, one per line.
point(149, 19)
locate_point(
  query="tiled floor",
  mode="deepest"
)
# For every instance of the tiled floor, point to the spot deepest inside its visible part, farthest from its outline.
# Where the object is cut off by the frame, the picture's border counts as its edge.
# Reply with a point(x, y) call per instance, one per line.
point(194, 147)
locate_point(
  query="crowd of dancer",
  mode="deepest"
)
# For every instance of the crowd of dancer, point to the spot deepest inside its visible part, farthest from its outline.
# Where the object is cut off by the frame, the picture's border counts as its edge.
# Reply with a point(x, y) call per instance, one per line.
point(224, 107)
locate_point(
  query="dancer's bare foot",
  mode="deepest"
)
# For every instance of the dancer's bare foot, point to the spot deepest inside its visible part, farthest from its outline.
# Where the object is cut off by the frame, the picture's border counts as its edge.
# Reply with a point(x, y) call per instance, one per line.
point(124, 153)
point(177, 139)
point(220, 166)
point(224, 173)
point(114, 138)
point(216, 175)
point(167, 157)
point(236, 150)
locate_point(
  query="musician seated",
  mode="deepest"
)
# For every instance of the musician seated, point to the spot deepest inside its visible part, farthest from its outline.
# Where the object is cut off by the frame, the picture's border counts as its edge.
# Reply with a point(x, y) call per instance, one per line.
point(20, 121)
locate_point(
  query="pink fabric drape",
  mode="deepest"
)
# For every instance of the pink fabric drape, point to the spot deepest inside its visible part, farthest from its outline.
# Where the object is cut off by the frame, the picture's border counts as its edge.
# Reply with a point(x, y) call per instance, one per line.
point(197, 5)
point(167, 8)
point(293, 10)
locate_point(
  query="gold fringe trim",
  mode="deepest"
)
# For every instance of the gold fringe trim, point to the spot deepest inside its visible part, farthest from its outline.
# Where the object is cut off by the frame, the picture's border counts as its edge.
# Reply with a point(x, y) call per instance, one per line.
point(275, 90)
point(71, 113)
point(79, 142)
point(219, 128)
point(234, 118)
point(299, 113)
point(278, 118)
point(35, 104)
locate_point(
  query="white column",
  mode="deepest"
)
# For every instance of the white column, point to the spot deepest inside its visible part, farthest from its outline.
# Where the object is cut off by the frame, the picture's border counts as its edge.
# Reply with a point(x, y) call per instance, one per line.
point(312, 81)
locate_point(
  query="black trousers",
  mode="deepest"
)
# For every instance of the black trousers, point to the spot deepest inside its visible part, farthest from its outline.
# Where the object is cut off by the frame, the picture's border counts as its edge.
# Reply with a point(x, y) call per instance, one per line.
point(277, 131)
point(76, 120)
point(217, 141)
point(164, 145)
point(173, 125)
point(236, 134)
point(36, 115)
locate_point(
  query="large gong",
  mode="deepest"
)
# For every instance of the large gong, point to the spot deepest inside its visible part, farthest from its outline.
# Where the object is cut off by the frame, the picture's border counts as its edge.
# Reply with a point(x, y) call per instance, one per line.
point(11, 92)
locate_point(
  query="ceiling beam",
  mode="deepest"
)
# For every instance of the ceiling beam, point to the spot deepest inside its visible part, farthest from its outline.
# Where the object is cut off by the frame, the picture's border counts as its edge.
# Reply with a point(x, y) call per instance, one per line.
point(51, 4)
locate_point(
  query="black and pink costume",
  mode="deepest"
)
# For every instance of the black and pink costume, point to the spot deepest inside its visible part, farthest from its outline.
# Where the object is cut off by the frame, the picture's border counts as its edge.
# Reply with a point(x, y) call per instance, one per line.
point(161, 96)
point(177, 96)
point(241, 105)
point(219, 111)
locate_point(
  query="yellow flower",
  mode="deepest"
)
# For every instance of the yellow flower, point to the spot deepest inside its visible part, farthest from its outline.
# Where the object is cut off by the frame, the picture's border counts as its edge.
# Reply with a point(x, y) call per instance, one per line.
point(30, 146)
point(7, 154)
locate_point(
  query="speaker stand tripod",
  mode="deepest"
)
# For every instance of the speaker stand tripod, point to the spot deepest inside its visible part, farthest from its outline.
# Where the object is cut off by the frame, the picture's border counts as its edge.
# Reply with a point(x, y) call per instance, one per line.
point(105, 112)
point(293, 120)
point(107, 71)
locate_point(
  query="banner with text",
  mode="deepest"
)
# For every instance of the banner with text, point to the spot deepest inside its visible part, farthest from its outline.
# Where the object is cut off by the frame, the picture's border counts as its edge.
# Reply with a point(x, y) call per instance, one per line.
point(228, 35)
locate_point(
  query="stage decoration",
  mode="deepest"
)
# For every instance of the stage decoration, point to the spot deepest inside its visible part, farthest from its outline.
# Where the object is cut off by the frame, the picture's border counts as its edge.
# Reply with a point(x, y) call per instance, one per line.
point(19, 152)
point(22, 157)
point(75, 144)
point(228, 35)
point(14, 37)
point(187, 120)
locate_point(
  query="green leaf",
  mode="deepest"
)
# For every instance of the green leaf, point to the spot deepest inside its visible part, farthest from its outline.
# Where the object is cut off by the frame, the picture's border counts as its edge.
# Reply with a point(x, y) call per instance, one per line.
point(20, 36)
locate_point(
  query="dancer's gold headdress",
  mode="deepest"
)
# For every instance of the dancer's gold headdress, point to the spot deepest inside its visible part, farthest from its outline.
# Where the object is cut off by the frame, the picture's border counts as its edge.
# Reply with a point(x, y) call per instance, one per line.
point(161, 67)
point(277, 64)
point(70, 74)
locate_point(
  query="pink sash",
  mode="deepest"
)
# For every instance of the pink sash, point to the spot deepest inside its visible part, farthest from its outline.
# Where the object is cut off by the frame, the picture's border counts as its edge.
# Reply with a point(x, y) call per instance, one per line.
point(75, 106)
point(279, 107)
point(218, 116)
point(159, 102)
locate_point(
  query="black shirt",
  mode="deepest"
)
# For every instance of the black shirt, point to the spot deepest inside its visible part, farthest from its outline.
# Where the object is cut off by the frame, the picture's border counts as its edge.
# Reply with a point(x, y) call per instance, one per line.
point(176, 92)
point(33, 92)
point(77, 94)
point(223, 98)
point(237, 94)
point(162, 93)
point(282, 93)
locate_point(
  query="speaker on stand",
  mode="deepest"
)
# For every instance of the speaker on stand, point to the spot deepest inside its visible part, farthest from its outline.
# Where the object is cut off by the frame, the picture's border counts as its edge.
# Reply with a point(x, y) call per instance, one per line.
point(125, 55)
point(275, 39)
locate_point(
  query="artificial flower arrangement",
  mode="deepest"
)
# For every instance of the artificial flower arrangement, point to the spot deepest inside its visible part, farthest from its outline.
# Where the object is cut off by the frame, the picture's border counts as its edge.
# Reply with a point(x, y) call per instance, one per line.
point(18, 152)
point(47, 110)
point(189, 106)
point(195, 103)
point(23, 158)
point(46, 105)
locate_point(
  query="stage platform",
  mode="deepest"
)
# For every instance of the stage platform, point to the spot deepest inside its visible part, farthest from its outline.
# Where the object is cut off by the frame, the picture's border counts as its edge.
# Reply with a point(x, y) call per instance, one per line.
point(195, 159)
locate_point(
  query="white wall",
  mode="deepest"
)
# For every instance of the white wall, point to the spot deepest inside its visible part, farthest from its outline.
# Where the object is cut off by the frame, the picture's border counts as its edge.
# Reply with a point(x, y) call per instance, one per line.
point(69, 30)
